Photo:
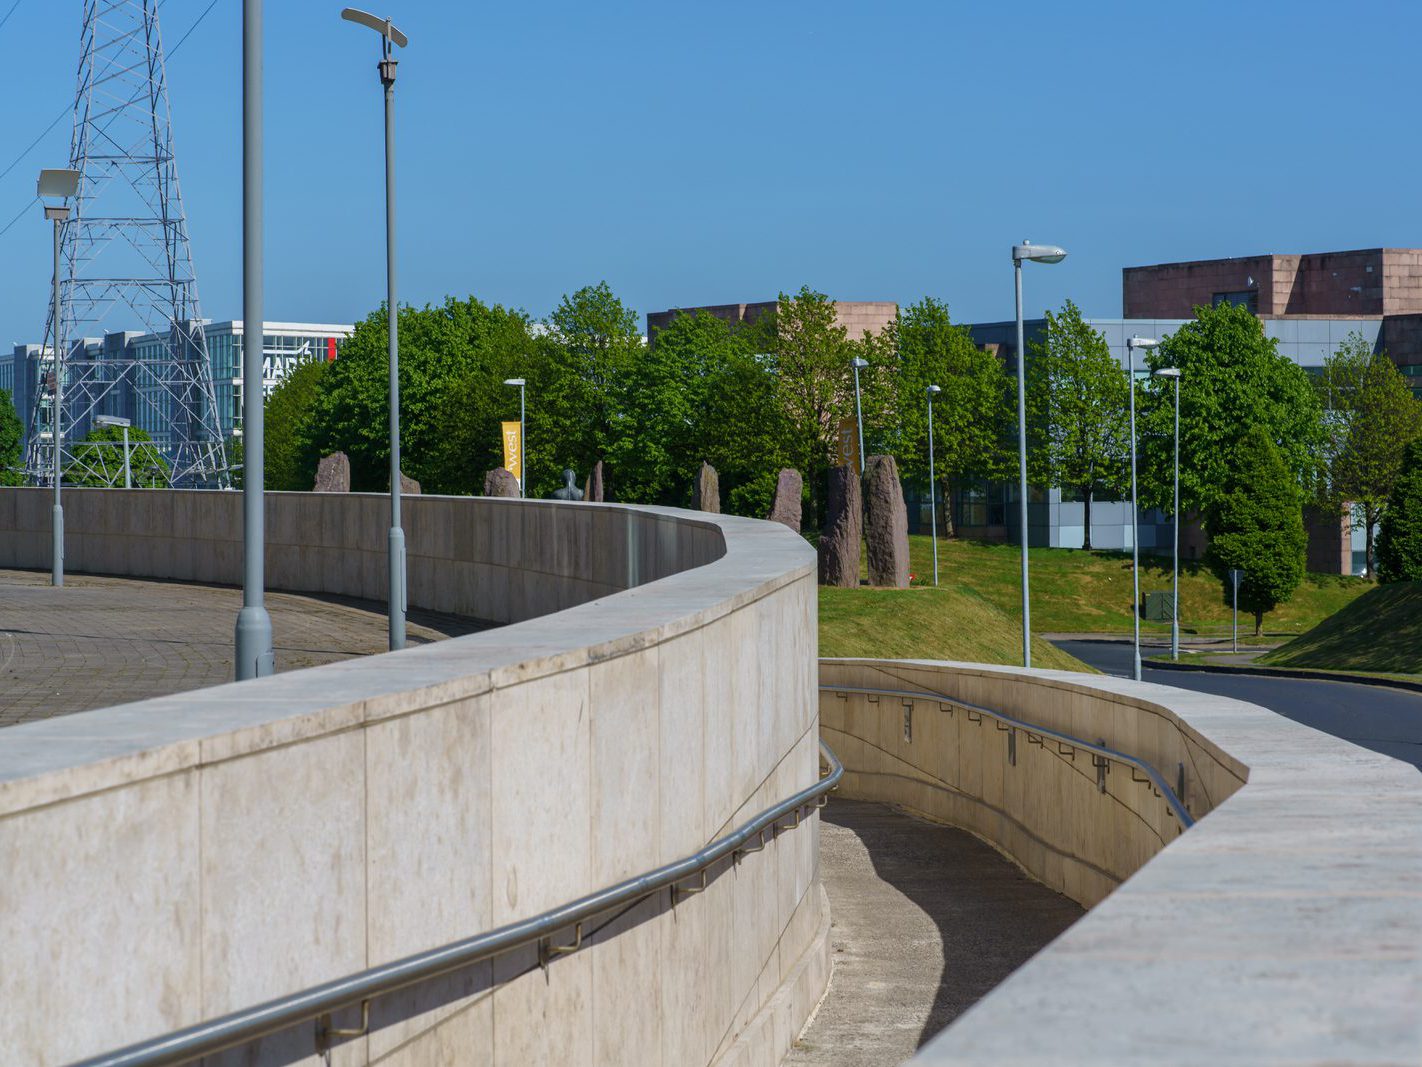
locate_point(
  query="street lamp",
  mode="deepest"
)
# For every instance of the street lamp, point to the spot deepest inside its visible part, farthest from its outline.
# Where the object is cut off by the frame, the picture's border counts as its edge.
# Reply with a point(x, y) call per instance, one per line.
point(932, 391)
point(252, 644)
point(1174, 373)
point(1133, 343)
point(390, 36)
point(522, 445)
point(857, 364)
point(62, 184)
point(1035, 254)
point(115, 420)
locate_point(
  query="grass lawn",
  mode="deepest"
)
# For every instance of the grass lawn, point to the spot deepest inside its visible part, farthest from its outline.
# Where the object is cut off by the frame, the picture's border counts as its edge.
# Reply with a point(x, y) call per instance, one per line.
point(1380, 632)
point(918, 623)
point(1090, 592)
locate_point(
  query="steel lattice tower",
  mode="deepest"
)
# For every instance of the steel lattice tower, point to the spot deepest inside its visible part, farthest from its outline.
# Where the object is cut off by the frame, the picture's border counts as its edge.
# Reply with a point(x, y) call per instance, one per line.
point(126, 265)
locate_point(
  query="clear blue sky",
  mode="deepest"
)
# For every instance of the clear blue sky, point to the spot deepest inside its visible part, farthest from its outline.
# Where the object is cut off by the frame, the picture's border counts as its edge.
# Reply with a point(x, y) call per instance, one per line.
point(694, 153)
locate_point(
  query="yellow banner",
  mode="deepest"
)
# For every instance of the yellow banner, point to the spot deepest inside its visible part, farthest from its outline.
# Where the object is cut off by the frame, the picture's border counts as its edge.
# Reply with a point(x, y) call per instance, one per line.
point(847, 444)
point(513, 450)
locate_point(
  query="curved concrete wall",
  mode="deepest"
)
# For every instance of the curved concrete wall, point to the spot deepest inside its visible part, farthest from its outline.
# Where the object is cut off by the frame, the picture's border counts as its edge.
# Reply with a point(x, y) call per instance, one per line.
point(1284, 927)
point(172, 860)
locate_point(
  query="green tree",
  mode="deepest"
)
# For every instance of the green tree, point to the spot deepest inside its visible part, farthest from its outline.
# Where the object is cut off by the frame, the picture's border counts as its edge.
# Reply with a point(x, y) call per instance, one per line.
point(290, 414)
point(1232, 376)
point(11, 430)
point(924, 347)
point(1078, 405)
point(1370, 418)
point(1255, 523)
point(1400, 539)
point(453, 359)
point(97, 461)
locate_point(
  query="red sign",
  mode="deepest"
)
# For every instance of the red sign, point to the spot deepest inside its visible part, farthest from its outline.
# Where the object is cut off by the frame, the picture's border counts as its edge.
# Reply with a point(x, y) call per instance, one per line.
point(330, 350)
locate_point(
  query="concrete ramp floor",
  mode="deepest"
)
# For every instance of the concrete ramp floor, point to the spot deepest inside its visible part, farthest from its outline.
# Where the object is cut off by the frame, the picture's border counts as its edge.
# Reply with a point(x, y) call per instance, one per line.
point(926, 920)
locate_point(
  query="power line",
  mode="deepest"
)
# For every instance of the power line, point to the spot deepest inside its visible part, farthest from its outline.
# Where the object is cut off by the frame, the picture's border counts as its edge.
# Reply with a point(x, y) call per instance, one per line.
point(10, 12)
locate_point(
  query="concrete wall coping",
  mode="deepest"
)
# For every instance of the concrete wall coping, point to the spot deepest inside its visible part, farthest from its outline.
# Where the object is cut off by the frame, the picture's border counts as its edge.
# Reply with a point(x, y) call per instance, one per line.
point(1285, 927)
point(56, 759)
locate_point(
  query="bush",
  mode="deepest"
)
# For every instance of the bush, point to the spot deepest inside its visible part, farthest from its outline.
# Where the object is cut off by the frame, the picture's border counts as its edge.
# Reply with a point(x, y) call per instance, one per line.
point(1399, 547)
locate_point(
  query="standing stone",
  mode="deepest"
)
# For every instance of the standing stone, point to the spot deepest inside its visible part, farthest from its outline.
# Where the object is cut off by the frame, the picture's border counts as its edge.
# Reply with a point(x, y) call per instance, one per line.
point(789, 492)
point(839, 544)
point(592, 490)
point(886, 524)
point(408, 485)
point(708, 489)
point(500, 482)
point(333, 474)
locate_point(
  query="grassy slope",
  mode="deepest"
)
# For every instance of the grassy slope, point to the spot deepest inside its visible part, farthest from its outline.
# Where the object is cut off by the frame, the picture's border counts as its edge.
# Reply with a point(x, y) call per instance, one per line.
point(944, 623)
point(1379, 632)
point(1074, 591)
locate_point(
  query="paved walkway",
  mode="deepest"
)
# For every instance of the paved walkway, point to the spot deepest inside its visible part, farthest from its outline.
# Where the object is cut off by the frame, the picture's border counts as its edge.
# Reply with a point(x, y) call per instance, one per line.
point(102, 641)
point(926, 920)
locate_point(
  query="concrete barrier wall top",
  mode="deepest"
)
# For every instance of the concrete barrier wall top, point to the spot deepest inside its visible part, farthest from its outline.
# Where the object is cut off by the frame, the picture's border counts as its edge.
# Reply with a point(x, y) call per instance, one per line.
point(169, 861)
point(1284, 927)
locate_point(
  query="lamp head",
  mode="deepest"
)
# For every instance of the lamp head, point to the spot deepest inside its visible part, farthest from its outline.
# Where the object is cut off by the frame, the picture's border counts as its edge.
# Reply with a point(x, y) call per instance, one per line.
point(514, 381)
point(61, 183)
point(933, 391)
point(1037, 253)
point(111, 420)
point(858, 364)
point(1142, 342)
point(381, 26)
point(1168, 372)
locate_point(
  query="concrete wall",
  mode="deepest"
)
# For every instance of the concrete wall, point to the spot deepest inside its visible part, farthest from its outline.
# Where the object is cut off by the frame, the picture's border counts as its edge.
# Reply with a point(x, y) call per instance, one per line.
point(1284, 927)
point(172, 860)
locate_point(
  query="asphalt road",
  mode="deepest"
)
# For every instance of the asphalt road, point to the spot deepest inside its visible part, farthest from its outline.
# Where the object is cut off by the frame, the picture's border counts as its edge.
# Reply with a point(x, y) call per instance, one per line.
point(1382, 719)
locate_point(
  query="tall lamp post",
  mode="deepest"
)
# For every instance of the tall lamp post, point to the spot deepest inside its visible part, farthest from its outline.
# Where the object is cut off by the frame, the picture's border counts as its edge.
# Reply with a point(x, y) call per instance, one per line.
point(389, 37)
point(1026, 252)
point(1174, 374)
point(253, 640)
point(124, 424)
point(1133, 343)
point(63, 184)
point(932, 391)
point(522, 384)
point(858, 364)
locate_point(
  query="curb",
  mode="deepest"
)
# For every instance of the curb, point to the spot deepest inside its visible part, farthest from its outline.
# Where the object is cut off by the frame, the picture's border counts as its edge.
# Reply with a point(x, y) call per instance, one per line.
point(1286, 672)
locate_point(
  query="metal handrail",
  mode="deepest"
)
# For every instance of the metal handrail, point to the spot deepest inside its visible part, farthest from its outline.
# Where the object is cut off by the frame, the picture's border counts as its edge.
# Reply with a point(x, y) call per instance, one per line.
point(1171, 799)
point(248, 1024)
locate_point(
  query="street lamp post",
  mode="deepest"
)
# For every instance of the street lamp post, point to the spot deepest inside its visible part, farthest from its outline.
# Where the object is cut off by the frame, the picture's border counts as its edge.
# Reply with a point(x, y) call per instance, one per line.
point(933, 391)
point(253, 639)
point(1029, 252)
point(124, 424)
point(63, 184)
point(1174, 374)
point(1133, 343)
point(857, 364)
point(522, 443)
point(389, 37)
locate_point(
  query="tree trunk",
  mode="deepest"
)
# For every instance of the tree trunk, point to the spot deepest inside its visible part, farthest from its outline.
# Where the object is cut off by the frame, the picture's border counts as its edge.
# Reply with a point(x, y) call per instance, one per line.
point(1258, 624)
point(947, 512)
point(1369, 519)
point(1086, 537)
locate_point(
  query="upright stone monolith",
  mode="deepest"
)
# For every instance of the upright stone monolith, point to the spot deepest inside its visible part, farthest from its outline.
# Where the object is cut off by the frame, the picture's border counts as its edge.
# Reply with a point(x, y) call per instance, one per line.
point(789, 492)
point(708, 489)
point(885, 524)
point(500, 482)
point(408, 485)
point(333, 474)
point(592, 491)
point(839, 544)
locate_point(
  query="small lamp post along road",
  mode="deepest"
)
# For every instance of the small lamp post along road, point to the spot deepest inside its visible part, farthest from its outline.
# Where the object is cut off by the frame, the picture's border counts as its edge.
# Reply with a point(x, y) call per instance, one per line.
point(115, 420)
point(1133, 343)
point(1174, 374)
point(933, 391)
point(252, 644)
point(522, 444)
point(1028, 252)
point(857, 364)
point(390, 36)
point(62, 184)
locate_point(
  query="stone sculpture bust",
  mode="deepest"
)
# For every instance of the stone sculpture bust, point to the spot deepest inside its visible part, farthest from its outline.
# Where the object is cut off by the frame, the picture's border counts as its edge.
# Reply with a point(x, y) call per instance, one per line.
point(570, 490)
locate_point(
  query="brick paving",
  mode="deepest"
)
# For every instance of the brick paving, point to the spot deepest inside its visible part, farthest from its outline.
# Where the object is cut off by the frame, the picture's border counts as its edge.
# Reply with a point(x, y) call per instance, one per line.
point(102, 641)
